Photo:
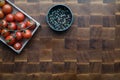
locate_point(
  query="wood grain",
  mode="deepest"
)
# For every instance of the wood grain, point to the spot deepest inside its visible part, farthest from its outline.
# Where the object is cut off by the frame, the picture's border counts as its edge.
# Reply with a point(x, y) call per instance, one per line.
point(89, 50)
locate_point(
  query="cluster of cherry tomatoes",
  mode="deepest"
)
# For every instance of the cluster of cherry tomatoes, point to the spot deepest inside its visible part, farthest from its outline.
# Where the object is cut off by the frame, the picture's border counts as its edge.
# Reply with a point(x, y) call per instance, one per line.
point(13, 26)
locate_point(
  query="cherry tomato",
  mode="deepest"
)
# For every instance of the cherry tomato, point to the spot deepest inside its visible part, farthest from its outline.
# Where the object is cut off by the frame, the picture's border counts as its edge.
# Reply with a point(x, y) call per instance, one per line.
point(19, 17)
point(10, 18)
point(17, 46)
point(18, 35)
point(21, 25)
point(4, 23)
point(1, 24)
point(30, 24)
point(2, 3)
point(5, 33)
point(12, 26)
point(10, 40)
point(7, 9)
point(0, 31)
point(27, 34)
point(1, 14)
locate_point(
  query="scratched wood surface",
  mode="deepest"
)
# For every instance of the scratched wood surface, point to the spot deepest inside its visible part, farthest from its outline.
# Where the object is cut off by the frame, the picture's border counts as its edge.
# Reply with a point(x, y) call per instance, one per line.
point(89, 50)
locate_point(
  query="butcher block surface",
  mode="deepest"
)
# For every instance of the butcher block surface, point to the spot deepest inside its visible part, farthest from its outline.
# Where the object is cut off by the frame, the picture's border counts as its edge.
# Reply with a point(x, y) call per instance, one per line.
point(89, 50)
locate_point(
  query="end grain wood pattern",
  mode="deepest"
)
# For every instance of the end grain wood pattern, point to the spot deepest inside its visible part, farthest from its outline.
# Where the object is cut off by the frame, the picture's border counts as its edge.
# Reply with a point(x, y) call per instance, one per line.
point(89, 50)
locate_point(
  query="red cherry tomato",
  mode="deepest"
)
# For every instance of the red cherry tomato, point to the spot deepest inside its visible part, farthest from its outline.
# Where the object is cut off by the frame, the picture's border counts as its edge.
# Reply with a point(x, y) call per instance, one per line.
point(3, 23)
point(12, 26)
point(21, 25)
point(1, 14)
point(30, 24)
point(0, 31)
point(27, 34)
point(19, 17)
point(10, 18)
point(10, 40)
point(7, 9)
point(17, 46)
point(5, 33)
point(18, 35)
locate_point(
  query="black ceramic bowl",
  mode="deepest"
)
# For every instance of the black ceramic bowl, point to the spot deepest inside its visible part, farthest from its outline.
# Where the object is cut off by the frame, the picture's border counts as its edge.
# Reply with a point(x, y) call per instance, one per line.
point(59, 17)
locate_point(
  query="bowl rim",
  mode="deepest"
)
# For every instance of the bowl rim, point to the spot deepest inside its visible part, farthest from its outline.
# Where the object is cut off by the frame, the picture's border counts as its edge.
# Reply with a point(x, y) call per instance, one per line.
point(56, 6)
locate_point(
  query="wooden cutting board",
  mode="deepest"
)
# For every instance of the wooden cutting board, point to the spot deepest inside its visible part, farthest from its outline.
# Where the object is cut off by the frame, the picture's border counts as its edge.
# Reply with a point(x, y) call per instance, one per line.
point(89, 50)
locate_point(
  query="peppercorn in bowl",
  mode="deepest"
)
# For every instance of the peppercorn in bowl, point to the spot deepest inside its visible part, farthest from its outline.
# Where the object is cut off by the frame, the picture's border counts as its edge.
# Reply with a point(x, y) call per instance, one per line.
point(59, 17)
